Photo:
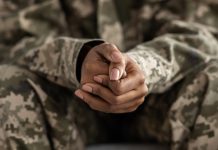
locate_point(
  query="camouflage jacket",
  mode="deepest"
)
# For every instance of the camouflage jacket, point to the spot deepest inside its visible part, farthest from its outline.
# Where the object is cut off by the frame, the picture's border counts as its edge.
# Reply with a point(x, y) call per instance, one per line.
point(168, 38)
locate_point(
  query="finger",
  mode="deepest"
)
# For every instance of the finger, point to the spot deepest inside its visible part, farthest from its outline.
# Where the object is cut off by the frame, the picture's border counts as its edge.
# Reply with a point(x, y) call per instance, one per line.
point(115, 58)
point(95, 67)
point(124, 74)
point(122, 111)
point(102, 79)
point(100, 91)
point(109, 52)
point(91, 69)
point(127, 107)
point(130, 82)
point(94, 102)
point(110, 97)
point(116, 70)
point(99, 105)
point(133, 80)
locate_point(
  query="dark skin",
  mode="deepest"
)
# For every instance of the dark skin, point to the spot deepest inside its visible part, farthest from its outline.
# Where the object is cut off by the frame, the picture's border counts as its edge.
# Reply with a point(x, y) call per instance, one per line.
point(111, 84)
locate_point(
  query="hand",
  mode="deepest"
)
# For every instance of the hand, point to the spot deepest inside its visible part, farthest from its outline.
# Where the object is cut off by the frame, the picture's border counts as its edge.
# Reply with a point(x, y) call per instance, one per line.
point(121, 96)
point(103, 59)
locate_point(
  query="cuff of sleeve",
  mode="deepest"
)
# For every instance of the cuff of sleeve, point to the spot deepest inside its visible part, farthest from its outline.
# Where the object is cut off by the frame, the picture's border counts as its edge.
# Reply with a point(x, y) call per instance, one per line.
point(152, 68)
point(156, 72)
point(83, 53)
point(140, 61)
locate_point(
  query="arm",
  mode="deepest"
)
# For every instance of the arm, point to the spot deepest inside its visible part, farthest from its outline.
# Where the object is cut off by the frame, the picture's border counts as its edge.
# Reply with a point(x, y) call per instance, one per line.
point(58, 60)
point(25, 25)
point(185, 48)
point(29, 38)
point(182, 49)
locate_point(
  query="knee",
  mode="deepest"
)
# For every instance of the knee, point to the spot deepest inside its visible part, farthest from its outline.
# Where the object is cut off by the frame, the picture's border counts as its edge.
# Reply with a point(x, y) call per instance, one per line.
point(15, 91)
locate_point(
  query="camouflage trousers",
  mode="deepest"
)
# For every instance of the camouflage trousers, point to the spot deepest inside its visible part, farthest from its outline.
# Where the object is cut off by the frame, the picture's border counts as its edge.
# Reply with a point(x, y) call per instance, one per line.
point(37, 114)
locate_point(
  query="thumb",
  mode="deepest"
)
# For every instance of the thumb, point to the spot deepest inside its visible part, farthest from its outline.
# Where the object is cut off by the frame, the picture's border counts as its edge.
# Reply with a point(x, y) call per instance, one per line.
point(117, 70)
point(115, 58)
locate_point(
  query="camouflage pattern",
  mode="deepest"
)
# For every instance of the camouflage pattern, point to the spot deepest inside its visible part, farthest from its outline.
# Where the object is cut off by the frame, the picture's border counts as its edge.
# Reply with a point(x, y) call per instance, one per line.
point(173, 41)
point(32, 119)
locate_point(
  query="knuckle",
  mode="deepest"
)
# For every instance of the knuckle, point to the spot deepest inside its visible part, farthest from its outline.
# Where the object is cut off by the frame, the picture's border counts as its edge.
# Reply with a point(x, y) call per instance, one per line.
point(141, 78)
point(145, 90)
point(107, 46)
point(105, 82)
point(96, 90)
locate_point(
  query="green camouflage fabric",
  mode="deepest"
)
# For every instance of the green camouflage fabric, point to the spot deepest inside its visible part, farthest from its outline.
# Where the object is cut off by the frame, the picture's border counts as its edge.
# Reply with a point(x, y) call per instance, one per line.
point(175, 42)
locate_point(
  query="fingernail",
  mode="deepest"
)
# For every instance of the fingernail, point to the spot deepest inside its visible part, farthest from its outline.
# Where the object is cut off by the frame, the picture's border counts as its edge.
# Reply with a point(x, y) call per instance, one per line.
point(98, 79)
point(87, 88)
point(79, 94)
point(115, 74)
point(115, 56)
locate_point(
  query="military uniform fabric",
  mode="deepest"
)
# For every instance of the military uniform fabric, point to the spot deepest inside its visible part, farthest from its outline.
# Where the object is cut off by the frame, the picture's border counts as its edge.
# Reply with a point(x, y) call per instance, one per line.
point(174, 42)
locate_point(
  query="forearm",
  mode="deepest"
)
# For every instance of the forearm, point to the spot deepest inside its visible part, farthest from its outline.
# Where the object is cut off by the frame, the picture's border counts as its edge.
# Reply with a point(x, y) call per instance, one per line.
point(170, 57)
point(57, 60)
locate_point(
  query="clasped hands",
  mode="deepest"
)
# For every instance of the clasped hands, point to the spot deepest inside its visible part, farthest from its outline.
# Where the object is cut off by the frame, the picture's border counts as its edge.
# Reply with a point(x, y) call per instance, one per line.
point(111, 81)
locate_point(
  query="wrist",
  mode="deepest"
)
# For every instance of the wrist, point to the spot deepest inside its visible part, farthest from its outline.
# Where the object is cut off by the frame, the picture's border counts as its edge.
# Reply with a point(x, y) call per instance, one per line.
point(82, 55)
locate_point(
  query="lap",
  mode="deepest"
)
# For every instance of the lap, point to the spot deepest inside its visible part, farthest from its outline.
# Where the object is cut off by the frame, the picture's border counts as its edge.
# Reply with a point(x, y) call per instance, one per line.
point(185, 116)
point(36, 113)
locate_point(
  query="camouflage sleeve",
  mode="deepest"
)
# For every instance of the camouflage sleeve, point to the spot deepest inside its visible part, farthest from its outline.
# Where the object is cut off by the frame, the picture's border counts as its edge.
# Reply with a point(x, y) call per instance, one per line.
point(29, 37)
point(57, 60)
point(182, 49)
point(28, 24)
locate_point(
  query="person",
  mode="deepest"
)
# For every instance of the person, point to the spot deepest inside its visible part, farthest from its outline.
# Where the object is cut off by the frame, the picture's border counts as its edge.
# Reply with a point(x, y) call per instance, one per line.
point(147, 70)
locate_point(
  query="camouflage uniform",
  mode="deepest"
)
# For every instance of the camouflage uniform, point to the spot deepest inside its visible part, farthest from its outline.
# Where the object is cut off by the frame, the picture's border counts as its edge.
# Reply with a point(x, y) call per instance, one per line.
point(173, 41)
